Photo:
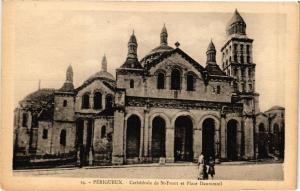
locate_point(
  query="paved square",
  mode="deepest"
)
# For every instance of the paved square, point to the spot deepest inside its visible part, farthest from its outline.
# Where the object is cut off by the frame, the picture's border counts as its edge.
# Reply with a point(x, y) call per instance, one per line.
point(184, 171)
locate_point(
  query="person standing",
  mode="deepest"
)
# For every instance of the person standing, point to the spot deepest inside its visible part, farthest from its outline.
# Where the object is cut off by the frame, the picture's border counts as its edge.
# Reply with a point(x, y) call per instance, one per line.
point(211, 167)
point(201, 167)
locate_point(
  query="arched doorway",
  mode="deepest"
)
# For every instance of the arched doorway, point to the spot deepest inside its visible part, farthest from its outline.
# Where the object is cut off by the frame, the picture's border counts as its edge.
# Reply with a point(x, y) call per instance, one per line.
point(208, 138)
point(158, 138)
point(183, 147)
point(133, 136)
point(262, 141)
point(232, 140)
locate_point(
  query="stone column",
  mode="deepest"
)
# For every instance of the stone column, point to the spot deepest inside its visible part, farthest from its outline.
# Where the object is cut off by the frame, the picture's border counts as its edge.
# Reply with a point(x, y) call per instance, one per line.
point(170, 144)
point(217, 144)
point(146, 138)
point(141, 144)
point(249, 142)
point(118, 138)
point(223, 136)
point(197, 144)
point(239, 141)
point(84, 138)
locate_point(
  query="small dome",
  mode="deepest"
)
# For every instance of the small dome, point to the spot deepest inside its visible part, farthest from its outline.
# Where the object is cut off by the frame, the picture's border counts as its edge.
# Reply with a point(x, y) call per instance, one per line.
point(236, 18)
point(276, 107)
point(236, 25)
point(156, 52)
point(102, 74)
point(42, 94)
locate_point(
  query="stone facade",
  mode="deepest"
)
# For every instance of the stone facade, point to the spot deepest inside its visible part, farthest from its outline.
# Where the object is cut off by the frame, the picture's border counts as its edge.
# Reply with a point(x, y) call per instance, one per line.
point(165, 106)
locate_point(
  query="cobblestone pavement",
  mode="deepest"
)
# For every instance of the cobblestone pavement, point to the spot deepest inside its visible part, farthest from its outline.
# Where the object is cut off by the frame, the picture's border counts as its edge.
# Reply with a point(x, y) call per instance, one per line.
point(184, 171)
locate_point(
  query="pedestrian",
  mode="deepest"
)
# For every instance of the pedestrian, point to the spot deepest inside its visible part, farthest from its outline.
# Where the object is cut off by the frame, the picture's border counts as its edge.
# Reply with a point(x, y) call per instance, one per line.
point(200, 166)
point(211, 167)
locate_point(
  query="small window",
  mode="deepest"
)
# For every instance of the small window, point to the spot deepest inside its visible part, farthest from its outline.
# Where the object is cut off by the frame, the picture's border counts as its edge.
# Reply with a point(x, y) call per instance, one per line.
point(85, 101)
point(24, 119)
point(243, 87)
point(248, 59)
point(65, 103)
point(250, 87)
point(160, 81)
point(108, 102)
point(249, 73)
point(235, 58)
point(243, 73)
point(45, 133)
point(175, 79)
point(248, 49)
point(97, 100)
point(131, 84)
point(261, 128)
point(103, 132)
point(190, 82)
point(235, 71)
point(63, 135)
point(218, 89)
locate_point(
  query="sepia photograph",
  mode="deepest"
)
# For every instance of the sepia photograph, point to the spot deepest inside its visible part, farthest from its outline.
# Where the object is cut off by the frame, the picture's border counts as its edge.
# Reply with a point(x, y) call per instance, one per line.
point(187, 97)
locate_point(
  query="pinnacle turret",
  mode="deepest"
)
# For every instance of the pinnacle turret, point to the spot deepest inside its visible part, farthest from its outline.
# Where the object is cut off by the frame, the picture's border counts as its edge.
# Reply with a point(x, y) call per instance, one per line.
point(132, 47)
point(104, 64)
point(211, 53)
point(164, 36)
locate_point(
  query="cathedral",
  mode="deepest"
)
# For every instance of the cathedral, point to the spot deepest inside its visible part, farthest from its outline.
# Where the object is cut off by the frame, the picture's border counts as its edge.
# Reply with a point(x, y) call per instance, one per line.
point(165, 107)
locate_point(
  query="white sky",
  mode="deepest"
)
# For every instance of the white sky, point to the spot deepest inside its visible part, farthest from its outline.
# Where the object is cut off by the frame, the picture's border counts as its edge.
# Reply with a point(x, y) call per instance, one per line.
point(46, 42)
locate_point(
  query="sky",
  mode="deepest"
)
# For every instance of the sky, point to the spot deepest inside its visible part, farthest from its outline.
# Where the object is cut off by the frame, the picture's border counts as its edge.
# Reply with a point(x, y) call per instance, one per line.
point(47, 41)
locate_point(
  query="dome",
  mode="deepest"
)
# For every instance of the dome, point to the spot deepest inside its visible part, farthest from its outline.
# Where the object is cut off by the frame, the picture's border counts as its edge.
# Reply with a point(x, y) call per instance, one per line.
point(236, 25)
point(236, 18)
point(42, 94)
point(162, 48)
point(102, 74)
point(276, 107)
point(38, 99)
point(156, 52)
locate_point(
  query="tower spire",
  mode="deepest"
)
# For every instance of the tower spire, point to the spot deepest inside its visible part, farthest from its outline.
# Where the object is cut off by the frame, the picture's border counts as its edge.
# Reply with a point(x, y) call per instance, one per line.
point(69, 74)
point(236, 25)
point(132, 46)
point(104, 64)
point(211, 53)
point(164, 36)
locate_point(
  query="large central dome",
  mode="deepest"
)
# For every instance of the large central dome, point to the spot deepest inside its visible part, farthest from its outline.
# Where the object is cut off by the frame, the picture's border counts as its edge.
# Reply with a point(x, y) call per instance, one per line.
point(158, 51)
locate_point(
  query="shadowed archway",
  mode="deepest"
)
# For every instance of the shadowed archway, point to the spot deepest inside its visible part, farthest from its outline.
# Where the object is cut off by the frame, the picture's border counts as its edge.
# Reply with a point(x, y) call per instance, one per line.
point(232, 139)
point(208, 138)
point(183, 147)
point(133, 136)
point(158, 138)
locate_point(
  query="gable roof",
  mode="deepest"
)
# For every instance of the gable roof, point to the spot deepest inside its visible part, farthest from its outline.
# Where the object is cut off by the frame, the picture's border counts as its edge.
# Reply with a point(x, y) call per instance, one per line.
point(214, 69)
point(167, 54)
point(111, 84)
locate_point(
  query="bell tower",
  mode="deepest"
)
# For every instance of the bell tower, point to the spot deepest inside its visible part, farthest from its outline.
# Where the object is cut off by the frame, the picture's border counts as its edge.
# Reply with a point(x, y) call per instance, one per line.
point(237, 62)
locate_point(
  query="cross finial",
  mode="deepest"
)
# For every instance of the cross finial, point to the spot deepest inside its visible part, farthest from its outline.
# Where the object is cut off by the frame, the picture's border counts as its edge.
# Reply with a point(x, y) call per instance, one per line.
point(177, 44)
